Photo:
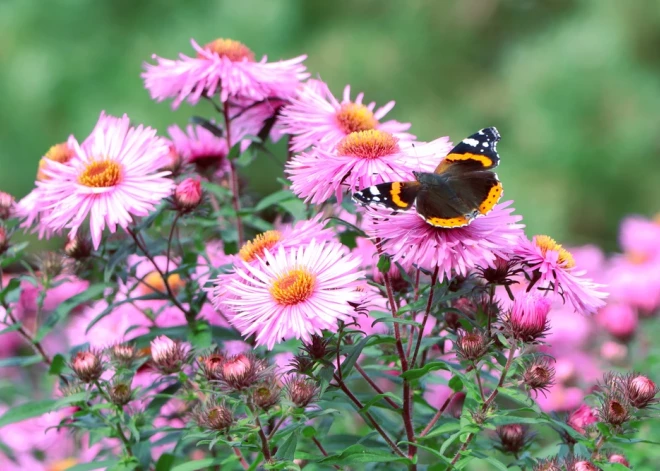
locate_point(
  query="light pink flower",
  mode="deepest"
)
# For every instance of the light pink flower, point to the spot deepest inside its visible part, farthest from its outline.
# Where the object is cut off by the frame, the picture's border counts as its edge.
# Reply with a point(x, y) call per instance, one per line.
point(359, 160)
point(113, 176)
point(639, 237)
point(316, 118)
point(581, 418)
point(528, 319)
point(199, 146)
point(620, 320)
point(560, 398)
point(553, 267)
point(635, 280)
point(567, 332)
point(409, 240)
point(293, 294)
point(226, 67)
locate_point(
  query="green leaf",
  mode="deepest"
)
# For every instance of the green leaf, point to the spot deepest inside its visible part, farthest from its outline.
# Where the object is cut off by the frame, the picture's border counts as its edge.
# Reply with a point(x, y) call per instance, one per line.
point(11, 328)
point(388, 319)
point(351, 358)
point(20, 361)
point(63, 310)
point(274, 199)
point(377, 398)
point(308, 431)
point(208, 125)
point(447, 443)
point(200, 335)
point(27, 411)
point(199, 464)
point(419, 372)
point(360, 454)
point(57, 365)
point(455, 383)
point(287, 450)
point(384, 263)
point(13, 285)
point(447, 427)
point(93, 465)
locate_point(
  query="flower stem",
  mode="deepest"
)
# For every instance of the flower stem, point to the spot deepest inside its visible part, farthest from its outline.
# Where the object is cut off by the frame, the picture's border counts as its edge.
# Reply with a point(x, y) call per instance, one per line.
point(437, 415)
point(322, 450)
point(375, 386)
point(234, 177)
point(429, 304)
point(117, 426)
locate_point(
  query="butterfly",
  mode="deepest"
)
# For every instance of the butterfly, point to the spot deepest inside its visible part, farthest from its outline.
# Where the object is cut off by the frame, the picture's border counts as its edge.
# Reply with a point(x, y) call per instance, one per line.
point(462, 187)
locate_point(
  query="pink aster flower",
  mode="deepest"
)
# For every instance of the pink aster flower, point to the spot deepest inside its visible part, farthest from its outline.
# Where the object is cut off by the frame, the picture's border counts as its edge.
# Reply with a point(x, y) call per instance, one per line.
point(199, 146)
point(409, 240)
point(113, 176)
point(316, 118)
point(295, 294)
point(222, 66)
point(359, 160)
point(620, 320)
point(639, 237)
point(553, 267)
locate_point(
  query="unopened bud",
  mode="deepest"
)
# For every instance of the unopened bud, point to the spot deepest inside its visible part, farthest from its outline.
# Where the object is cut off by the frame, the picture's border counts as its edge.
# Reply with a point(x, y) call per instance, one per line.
point(471, 346)
point(168, 355)
point(78, 248)
point(120, 393)
point(87, 365)
point(539, 375)
point(266, 394)
point(4, 239)
point(188, 195)
point(6, 205)
point(455, 407)
point(123, 355)
point(317, 347)
point(513, 437)
point(501, 271)
point(640, 391)
point(241, 371)
point(583, 465)
point(548, 464)
point(301, 391)
point(210, 365)
point(528, 320)
point(214, 417)
point(581, 418)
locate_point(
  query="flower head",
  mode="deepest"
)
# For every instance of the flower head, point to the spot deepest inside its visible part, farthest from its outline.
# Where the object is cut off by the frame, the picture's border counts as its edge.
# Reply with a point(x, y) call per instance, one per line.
point(266, 394)
point(123, 354)
point(316, 118)
point(359, 160)
point(301, 390)
point(241, 371)
point(113, 176)
point(410, 241)
point(200, 147)
point(226, 67)
point(293, 294)
point(211, 364)
point(120, 392)
point(87, 365)
point(168, 355)
point(471, 346)
point(640, 391)
point(553, 267)
point(616, 458)
point(528, 319)
point(212, 416)
point(620, 320)
point(539, 375)
point(514, 438)
point(188, 195)
point(581, 418)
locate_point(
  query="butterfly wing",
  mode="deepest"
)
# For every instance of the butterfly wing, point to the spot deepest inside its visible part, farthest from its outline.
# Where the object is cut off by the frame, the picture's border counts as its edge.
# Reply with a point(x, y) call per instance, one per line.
point(397, 196)
point(477, 152)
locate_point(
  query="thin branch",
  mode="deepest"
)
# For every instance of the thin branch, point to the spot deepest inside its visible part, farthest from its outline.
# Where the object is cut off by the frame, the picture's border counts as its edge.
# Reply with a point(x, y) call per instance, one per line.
point(322, 450)
point(478, 377)
point(375, 386)
point(234, 178)
point(437, 415)
point(241, 458)
point(427, 313)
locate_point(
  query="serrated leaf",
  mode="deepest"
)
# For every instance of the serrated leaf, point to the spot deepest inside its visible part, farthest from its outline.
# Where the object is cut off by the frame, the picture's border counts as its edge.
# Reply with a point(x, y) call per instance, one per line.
point(287, 450)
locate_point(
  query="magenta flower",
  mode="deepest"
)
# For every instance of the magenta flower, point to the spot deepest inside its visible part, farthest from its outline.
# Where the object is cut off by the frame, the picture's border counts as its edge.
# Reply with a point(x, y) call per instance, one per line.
point(581, 418)
point(222, 66)
point(113, 176)
point(620, 320)
point(553, 267)
point(409, 240)
point(359, 160)
point(200, 147)
point(295, 294)
point(639, 238)
point(528, 319)
point(316, 118)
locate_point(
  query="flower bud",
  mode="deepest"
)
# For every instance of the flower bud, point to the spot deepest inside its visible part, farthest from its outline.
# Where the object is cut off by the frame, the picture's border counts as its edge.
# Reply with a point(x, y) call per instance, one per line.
point(619, 459)
point(613, 409)
point(210, 365)
point(640, 391)
point(301, 391)
point(78, 248)
point(4, 239)
point(317, 348)
point(614, 352)
point(581, 418)
point(53, 264)
point(241, 371)
point(214, 417)
point(513, 437)
point(266, 394)
point(471, 346)
point(168, 356)
point(539, 375)
point(120, 393)
point(123, 354)
point(528, 320)
point(6, 205)
point(302, 364)
point(87, 365)
point(188, 195)
point(620, 320)
point(501, 272)
point(548, 464)
point(455, 406)
point(582, 465)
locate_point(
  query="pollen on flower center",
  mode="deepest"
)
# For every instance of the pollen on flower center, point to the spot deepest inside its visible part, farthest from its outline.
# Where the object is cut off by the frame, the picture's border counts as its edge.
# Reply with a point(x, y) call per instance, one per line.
point(637, 257)
point(154, 282)
point(293, 287)
point(101, 174)
point(371, 144)
point(61, 153)
point(255, 248)
point(235, 51)
point(353, 117)
point(546, 243)
point(63, 464)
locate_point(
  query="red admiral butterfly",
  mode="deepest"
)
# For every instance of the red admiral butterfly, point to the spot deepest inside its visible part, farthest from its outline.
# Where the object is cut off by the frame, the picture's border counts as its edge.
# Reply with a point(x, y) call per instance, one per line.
point(462, 188)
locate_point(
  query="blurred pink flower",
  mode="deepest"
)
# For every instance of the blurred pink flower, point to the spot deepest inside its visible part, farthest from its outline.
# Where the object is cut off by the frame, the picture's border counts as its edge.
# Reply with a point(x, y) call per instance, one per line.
point(316, 118)
point(199, 146)
point(635, 281)
point(552, 266)
point(409, 240)
point(293, 294)
point(614, 352)
point(560, 398)
point(639, 237)
point(359, 160)
point(620, 320)
point(222, 66)
point(113, 177)
point(567, 331)
point(581, 418)
point(591, 259)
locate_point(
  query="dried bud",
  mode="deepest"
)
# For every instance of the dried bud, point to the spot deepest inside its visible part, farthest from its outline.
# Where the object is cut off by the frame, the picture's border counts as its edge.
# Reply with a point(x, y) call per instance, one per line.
point(210, 365)
point(214, 417)
point(266, 394)
point(581, 418)
point(241, 371)
point(640, 391)
point(471, 345)
point(174, 161)
point(455, 407)
point(528, 319)
point(120, 393)
point(619, 459)
point(87, 365)
point(4, 239)
point(301, 391)
point(188, 195)
point(318, 347)
point(548, 464)
point(513, 437)
point(78, 248)
point(539, 375)
point(501, 272)
point(168, 355)
point(6, 205)
point(302, 364)
point(53, 264)
point(614, 409)
point(123, 354)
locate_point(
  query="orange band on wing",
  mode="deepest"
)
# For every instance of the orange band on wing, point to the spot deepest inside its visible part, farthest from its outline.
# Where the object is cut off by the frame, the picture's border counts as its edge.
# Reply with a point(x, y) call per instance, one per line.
point(395, 193)
point(482, 159)
point(491, 200)
point(459, 221)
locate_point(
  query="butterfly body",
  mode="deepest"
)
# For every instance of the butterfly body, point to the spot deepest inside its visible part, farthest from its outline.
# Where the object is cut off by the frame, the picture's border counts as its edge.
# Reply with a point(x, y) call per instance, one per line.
point(462, 187)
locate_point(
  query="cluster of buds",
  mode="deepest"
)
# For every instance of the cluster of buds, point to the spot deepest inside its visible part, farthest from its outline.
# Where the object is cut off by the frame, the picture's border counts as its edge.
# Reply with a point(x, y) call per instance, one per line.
point(169, 356)
point(188, 195)
point(301, 391)
point(214, 416)
point(514, 438)
point(623, 393)
point(87, 365)
point(471, 346)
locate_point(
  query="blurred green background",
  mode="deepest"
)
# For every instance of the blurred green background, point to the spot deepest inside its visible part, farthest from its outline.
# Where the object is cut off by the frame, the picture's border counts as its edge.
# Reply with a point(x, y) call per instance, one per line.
point(573, 85)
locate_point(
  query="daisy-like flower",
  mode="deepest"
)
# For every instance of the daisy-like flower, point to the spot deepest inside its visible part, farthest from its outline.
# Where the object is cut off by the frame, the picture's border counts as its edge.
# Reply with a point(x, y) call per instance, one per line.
point(409, 240)
point(316, 118)
point(553, 267)
point(113, 176)
point(222, 66)
point(200, 147)
point(295, 294)
point(359, 160)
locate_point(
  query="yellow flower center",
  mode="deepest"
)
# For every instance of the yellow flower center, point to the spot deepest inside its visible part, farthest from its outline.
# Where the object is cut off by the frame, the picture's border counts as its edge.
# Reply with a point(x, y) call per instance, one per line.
point(371, 144)
point(656, 219)
point(235, 51)
point(353, 117)
point(154, 283)
point(255, 247)
point(636, 257)
point(293, 287)
point(546, 243)
point(101, 174)
point(63, 465)
point(59, 153)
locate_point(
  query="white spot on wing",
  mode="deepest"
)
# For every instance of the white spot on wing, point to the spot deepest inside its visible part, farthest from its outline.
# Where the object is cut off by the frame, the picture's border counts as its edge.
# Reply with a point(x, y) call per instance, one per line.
point(485, 144)
point(374, 190)
point(471, 142)
point(375, 198)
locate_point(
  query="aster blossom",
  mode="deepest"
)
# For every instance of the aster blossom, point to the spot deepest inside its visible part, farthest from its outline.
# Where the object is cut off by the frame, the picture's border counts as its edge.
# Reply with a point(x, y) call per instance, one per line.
point(359, 160)
point(409, 240)
point(293, 294)
point(226, 67)
point(113, 176)
point(316, 118)
point(552, 267)
point(199, 146)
